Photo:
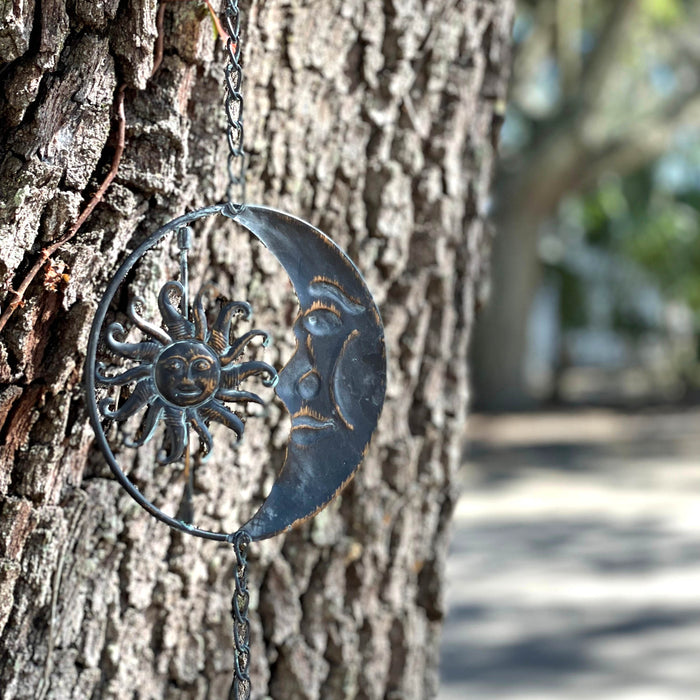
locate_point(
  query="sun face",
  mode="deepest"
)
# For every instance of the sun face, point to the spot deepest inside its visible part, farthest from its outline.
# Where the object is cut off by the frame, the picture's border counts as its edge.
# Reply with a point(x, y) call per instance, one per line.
point(185, 375)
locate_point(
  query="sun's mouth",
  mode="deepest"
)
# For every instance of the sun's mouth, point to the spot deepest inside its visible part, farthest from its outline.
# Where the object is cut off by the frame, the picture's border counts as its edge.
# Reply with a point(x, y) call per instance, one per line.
point(187, 395)
point(189, 391)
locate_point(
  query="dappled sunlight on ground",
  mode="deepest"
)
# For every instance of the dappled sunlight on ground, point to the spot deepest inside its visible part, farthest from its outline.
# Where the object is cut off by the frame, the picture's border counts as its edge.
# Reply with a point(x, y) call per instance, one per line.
point(574, 570)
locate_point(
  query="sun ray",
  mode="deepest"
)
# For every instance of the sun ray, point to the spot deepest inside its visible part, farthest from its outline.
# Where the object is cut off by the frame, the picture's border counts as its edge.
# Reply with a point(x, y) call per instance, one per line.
point(221, 330)
point(130, 375)
point(226, 394)
point(200, 313)
point(175, 440)
point(216, 411)
point(141, 323)
point(134, 351)
point(178, 326)
point(233, 375)
point(202, 431)
point(144, 393)
point(239, 345)
point(150, 424)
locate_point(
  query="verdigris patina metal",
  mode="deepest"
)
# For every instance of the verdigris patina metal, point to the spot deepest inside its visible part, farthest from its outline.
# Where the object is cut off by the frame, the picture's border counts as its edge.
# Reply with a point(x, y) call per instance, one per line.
point(185, 376)
point(333, 385)
point(186, 373)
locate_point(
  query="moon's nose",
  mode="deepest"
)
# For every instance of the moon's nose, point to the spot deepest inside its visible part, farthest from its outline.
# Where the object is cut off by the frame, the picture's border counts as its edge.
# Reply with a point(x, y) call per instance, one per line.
point(309, 385)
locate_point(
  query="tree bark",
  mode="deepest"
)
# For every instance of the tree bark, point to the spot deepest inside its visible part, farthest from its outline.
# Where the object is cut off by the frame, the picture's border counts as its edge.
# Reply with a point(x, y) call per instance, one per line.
point(375, 120)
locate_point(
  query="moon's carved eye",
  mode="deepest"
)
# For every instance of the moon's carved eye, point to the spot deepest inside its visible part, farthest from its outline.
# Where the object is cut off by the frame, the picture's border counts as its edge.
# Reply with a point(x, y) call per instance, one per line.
point(322, 322)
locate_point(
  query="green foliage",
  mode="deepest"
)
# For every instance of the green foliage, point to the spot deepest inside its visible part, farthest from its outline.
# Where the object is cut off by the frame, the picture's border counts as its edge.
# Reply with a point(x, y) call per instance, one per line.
point(572, 296)
point(650, 223)
point(640, 222)
point(665, 241)
point(664, 12)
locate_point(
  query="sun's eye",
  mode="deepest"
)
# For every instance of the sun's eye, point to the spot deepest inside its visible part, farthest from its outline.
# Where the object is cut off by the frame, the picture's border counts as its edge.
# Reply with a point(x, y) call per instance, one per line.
point(175, 365)
point(202, 365)
point(321, 322)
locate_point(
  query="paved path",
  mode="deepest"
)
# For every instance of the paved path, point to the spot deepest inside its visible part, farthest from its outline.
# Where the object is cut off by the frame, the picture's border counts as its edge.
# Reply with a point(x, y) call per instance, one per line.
point(575, 565)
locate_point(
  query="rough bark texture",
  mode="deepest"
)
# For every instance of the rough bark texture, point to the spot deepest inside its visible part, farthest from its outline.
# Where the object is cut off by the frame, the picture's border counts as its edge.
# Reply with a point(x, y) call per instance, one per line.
point(374, 119)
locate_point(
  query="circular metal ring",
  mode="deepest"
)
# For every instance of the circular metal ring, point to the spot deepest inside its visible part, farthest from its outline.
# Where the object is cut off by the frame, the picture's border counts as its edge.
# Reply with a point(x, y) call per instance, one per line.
point(91, 365)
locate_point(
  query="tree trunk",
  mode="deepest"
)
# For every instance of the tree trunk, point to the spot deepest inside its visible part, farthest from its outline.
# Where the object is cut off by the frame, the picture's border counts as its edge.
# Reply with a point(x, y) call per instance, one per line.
point(566, 156)
point(373, 119)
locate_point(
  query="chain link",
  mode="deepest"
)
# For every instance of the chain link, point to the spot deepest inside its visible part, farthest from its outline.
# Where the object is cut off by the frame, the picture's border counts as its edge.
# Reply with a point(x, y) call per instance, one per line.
point(241, 687)
point(234, 106)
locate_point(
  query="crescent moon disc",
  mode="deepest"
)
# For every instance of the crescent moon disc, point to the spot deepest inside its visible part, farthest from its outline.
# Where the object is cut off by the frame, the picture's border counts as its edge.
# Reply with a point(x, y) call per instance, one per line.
point(333, 386)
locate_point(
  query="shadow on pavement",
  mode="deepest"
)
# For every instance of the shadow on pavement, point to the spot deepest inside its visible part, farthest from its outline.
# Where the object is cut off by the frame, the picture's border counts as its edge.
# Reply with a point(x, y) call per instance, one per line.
point(574, 570)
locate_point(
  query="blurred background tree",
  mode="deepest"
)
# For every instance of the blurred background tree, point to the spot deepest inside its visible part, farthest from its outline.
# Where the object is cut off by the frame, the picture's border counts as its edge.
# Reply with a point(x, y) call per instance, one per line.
point(596, 291)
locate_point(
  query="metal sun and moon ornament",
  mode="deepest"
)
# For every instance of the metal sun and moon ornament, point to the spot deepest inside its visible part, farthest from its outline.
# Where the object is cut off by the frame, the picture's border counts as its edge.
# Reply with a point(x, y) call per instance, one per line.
point(186, 371)
point(187, 375)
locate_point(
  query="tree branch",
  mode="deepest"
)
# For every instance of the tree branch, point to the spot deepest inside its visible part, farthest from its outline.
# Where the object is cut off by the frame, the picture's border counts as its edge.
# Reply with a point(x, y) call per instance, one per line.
point(644, 141)
point(602, 59)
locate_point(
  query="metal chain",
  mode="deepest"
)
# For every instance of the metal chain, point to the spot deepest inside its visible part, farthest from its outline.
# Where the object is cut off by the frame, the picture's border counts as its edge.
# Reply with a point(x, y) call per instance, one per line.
point(241, 687)
point(234, 106)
